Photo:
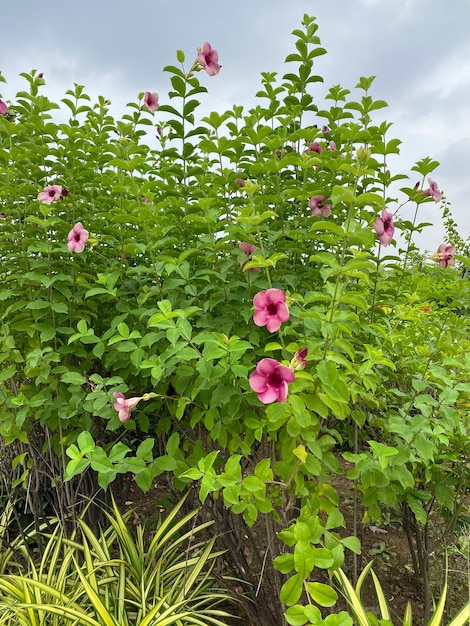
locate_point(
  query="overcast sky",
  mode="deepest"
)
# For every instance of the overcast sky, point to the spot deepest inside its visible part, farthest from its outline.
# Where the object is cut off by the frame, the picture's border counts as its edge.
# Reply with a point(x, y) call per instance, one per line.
point(418, 49)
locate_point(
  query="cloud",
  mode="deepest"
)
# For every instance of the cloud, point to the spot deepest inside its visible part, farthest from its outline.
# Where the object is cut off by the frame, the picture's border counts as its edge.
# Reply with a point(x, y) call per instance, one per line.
point(449, 77)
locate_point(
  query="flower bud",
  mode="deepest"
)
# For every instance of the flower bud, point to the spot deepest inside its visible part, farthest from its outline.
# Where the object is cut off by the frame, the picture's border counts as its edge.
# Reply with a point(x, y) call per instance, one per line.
point(363, 155)
point(299, 362)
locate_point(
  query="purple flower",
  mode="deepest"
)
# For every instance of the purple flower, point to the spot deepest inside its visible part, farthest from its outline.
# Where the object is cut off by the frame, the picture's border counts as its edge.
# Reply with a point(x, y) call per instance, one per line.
point(50, 193)
point(433, 191)
point(444, 256)
point(270, 379)
point(209, 59)
point(77, 238)
point(325, 130)
point(3, 108)
point(316, 204)
point(270, 309)
point(151, 101)
point(384, 227)
point(299, 361)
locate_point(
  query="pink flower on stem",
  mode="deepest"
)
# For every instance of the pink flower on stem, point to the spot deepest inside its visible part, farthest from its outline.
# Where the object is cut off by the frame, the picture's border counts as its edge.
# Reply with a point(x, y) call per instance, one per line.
point(299, 361)
point(209, 59)
point(248, 249)
point(325, 130)
point(433, 191)
point(270, 309)
point(77, 238)
point(3, 108)
point(50, 194)
point(151, 101)
point(316, 204)
point(124, 405)
point(270, 380)
point(314, 147)
point(384, 227)
point(444, 256)
point(332, 146)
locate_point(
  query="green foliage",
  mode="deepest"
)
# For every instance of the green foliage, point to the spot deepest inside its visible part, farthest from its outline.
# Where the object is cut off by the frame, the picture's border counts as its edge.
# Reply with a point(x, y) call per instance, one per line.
point(122, 576)
point(159, 306)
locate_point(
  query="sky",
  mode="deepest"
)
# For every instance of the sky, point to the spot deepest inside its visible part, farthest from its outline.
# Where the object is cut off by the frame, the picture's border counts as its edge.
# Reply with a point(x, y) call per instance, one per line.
point(419, 50)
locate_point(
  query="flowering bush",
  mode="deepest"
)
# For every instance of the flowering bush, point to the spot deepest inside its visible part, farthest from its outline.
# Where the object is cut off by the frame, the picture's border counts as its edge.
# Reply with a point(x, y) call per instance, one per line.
point(157, 298)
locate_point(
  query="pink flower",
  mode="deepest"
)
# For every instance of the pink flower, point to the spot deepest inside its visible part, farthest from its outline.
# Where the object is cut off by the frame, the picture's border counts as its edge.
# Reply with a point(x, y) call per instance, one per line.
point(248, 249)
point(433, 191)
point(50, 193)
point(151, 101)
point(332, 146)
point(270, 309)
point(384, 227)
point(314, 147)
point(240, 182)
point(77, 238)
point(299, 361)
point(3, 108)
point(270, 379)
point(325, 130)
point(209, 59)
point(124, 405)
point(444, 256)
point(318, 208)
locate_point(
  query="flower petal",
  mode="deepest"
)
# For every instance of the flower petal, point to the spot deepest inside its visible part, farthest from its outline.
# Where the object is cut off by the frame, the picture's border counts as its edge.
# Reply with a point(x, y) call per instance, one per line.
point(258, 382)
point(270, 395)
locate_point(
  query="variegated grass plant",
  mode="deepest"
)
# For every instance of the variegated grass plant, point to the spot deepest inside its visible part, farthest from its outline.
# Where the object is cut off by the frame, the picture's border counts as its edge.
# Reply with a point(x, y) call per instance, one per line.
point(362, 617)
point(125, 575)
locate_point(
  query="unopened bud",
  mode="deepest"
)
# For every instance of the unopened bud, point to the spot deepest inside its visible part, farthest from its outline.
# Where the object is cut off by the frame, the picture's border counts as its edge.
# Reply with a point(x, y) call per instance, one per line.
point(363, 155)
point(299, 362)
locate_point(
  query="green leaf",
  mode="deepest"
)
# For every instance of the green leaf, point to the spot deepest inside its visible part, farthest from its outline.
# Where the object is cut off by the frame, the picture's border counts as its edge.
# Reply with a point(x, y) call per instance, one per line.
point(342, 194)
point(295, 615)
point(284, 563)
point(144, 451)
point(73, 378)
point(322, 594)
point(7, 373)
point(291, 590)
point(165, 307)
point(352, 543)
point(303, 558)
point(322, 557)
